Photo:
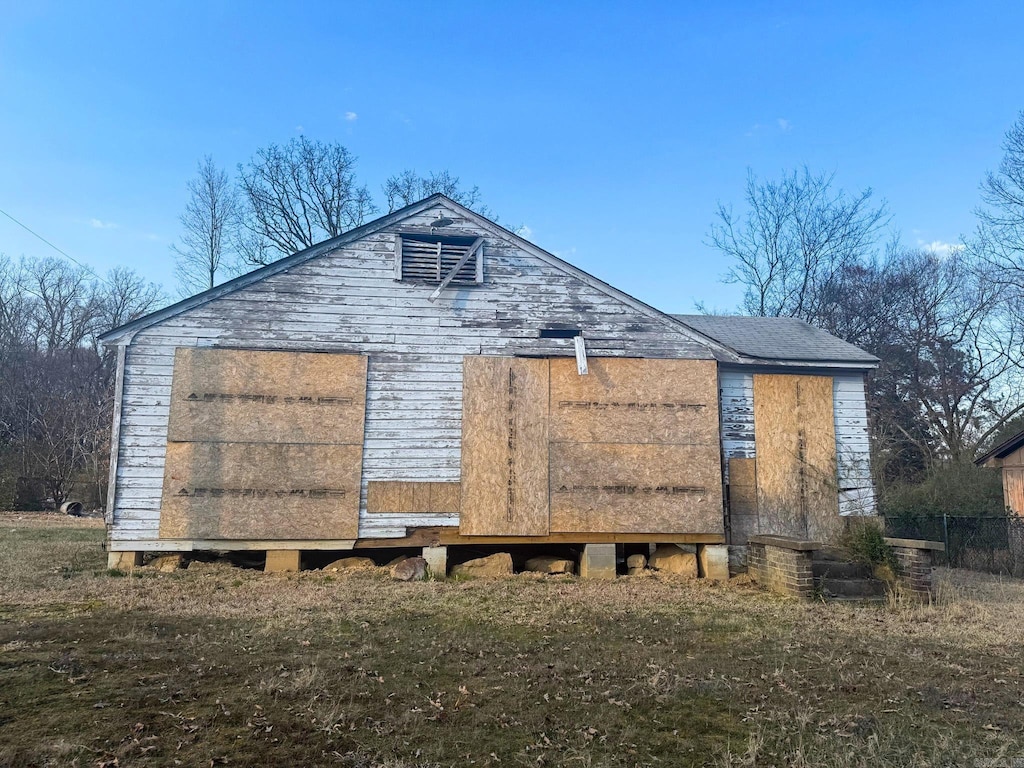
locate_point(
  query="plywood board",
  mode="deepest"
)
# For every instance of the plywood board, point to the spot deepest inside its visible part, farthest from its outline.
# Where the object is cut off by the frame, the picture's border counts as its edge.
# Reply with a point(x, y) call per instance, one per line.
point(1013, 488)
point(626, 400)
point(794, 429)
point(235, 395)
point(635, 488)
point(635, 446)
point(504, 447)
point(743, 521)
point(742, 486)
point(414, 497)
point(260, 491)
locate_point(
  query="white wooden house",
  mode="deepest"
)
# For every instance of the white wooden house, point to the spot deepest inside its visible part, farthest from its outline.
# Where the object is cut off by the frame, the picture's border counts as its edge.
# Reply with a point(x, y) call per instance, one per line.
point(432, 379)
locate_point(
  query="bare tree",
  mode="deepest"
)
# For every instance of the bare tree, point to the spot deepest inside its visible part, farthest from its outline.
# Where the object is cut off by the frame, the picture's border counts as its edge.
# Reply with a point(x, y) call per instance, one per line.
point(407, 187)
point(961, 359)
point(209, 224)
point(13, 308)
point(56, 385)
point(1000, 239)
point(125, 296)
point(298, 195)
point(794, 241)
point(66, 304)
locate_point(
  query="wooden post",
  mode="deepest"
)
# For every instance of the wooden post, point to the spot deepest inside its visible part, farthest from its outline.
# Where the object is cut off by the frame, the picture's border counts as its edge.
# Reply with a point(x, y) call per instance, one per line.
point(598, 561)
point(437, 561)
point(283, 561)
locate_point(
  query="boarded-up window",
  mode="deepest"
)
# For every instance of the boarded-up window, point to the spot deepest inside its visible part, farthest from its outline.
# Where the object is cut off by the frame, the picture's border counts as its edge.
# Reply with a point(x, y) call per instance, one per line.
point(430, 258)
point(635, 447)
point(632, 447)
point(263, 445)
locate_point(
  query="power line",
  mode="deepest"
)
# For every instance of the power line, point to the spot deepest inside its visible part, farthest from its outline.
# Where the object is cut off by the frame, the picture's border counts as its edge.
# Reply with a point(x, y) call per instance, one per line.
point(63, 253)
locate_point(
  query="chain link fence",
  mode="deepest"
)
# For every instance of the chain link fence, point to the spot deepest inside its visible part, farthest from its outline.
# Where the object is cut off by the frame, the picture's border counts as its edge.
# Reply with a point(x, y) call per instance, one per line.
point(994, 544)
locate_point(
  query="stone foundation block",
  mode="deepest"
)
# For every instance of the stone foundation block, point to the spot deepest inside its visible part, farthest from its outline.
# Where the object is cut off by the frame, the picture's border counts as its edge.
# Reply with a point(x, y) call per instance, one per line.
point(598, 561)
point(283, 561)
point(713, 561)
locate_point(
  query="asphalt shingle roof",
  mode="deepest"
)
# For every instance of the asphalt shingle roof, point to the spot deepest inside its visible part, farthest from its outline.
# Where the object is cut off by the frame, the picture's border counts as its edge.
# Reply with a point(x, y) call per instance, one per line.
point(777, 338)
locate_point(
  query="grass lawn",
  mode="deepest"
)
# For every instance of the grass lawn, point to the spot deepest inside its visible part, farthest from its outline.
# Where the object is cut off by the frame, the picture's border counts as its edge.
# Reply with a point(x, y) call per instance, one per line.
point(224, 666)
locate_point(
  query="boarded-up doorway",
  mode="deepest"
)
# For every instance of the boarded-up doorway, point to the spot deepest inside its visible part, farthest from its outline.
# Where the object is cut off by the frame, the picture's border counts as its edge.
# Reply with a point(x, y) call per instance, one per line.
point(794, 428)
point(504, 447)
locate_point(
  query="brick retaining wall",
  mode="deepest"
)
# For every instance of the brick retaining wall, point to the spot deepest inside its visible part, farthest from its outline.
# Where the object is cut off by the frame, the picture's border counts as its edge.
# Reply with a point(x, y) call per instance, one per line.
point(782, 564)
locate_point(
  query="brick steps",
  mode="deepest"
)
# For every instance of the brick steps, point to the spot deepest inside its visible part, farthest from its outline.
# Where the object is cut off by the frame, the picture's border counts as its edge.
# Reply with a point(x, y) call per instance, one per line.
point(806, 569)
point(836, 577)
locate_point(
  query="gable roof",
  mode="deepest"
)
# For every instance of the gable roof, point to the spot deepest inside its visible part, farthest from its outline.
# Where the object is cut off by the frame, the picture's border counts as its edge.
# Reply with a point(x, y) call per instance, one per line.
point(125, 332)
point(1002, 450)
point(779, 340)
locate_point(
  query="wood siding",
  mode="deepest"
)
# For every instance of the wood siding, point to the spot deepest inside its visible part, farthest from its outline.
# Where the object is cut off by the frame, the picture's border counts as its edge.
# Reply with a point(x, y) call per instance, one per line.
point(348, 301)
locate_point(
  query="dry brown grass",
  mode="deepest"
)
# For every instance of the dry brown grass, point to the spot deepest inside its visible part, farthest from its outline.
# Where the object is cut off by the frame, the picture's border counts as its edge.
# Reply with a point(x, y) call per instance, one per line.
point(315, 669)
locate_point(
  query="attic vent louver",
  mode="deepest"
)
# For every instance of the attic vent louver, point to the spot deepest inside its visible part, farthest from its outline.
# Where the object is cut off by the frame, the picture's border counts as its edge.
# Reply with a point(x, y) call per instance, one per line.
point(430, 258)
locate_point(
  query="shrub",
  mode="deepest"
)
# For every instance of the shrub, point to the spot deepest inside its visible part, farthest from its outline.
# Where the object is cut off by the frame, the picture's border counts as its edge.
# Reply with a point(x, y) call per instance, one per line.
point(864, 541)
point(954, 489)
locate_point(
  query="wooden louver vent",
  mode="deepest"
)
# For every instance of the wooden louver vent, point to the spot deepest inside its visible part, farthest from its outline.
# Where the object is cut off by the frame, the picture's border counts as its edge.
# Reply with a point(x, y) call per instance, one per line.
point(429, 259)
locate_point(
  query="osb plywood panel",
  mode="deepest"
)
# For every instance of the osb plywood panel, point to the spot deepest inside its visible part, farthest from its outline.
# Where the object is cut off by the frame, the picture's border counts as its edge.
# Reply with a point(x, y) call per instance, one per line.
point(626, 400)
point(504, 447)
point(233, 395)
point(742, 472)
point(1013, 488)
point(415, 497)
point(794, 428)
point(260, 491)
point(742, 486)
point(635, 488)
point(743, 521)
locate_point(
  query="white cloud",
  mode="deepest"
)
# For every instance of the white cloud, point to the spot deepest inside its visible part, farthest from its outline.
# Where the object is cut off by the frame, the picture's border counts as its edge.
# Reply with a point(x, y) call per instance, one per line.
point(940, 247)
point(757, 129)
point(524, 232)
point(351, 117)
point(299, 128)
point(99, 224)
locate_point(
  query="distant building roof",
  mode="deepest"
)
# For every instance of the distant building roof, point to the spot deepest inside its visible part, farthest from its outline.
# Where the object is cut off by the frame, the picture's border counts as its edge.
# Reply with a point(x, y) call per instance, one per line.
point(779, 339)
point(1001, 451)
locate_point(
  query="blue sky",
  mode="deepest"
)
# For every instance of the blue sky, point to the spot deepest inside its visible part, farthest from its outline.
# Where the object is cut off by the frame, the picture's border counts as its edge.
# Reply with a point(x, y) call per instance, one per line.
point(610, 131)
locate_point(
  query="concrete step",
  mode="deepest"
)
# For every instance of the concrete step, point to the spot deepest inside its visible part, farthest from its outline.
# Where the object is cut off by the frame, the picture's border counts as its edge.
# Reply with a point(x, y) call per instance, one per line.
point(840, 569)
point(852, 587)
point(831, 555)
point(876, 600)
